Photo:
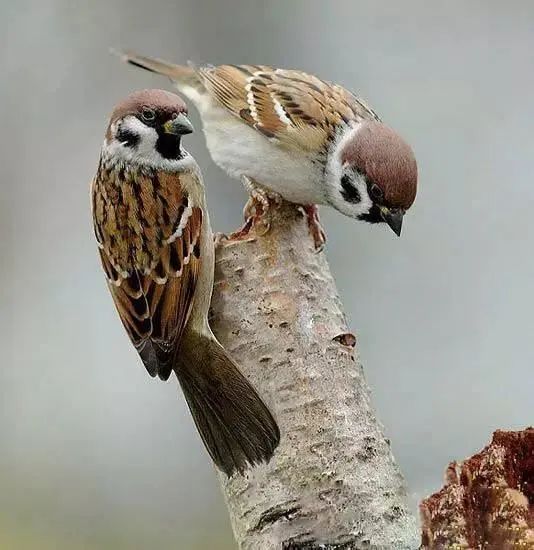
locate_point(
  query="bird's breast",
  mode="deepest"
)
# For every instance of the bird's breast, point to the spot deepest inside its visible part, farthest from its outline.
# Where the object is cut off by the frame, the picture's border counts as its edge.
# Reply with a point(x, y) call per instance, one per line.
point(243, 151)
point(136, 212)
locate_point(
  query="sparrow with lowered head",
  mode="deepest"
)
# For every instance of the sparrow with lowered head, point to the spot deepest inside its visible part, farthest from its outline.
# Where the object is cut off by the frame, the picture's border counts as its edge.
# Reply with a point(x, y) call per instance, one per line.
point(289, 133)
point(156, 247)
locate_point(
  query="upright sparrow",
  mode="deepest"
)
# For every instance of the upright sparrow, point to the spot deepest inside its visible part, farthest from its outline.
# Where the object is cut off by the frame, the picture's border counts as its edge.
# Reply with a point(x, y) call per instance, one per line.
point(156, 246)
point(288, 132)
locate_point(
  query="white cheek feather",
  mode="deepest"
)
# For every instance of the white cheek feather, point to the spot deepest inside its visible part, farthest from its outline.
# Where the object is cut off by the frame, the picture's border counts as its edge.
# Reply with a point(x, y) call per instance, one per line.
point(365, 203)
point(145, 152)
point(335, 170)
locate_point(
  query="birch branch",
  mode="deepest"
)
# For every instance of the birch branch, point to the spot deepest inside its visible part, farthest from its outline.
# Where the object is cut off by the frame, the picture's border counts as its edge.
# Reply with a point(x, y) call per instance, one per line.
point(333, 482)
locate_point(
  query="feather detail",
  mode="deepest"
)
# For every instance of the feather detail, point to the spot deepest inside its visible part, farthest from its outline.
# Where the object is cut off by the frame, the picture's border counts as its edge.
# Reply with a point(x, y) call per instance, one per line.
point(149, 232)
point(295, 108)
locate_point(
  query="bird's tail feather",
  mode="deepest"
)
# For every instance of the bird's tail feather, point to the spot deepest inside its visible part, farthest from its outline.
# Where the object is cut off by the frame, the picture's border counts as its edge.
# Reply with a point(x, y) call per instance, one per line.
point(234, 423)
point(180, 74)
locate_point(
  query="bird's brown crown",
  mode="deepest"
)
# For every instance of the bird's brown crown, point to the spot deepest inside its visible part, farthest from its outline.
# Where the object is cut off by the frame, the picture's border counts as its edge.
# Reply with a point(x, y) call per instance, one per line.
point(162, 102)
point(386, 160)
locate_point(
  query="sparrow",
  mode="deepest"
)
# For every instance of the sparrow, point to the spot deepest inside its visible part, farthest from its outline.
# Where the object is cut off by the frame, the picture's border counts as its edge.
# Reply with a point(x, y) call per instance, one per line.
point(156, 246)
point(290, 134)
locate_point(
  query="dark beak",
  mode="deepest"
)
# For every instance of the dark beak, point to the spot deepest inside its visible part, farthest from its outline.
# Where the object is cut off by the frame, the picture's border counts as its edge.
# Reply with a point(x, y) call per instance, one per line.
point(178, 126)
point(393, 219)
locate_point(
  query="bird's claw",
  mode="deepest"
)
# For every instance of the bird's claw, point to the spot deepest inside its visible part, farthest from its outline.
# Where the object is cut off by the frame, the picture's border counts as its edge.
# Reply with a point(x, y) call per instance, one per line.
point(242, 232)
point(257, 210)
point(314, 226)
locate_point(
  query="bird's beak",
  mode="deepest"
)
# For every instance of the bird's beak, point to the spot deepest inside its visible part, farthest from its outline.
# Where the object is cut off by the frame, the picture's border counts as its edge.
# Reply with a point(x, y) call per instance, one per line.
point(178, 126)
point(393, 219)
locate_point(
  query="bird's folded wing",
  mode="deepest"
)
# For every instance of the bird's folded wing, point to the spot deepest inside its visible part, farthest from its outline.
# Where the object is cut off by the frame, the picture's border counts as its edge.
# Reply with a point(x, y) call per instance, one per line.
point(293, 107)
point(154, 300)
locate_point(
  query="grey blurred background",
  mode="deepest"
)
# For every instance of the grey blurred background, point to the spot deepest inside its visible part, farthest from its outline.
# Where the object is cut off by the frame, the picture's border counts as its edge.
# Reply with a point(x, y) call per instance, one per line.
point(94, 454)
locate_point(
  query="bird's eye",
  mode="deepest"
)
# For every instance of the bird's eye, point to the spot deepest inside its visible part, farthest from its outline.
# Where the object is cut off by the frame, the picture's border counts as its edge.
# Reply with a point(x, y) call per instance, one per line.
point(148, 115)
point(376, 193)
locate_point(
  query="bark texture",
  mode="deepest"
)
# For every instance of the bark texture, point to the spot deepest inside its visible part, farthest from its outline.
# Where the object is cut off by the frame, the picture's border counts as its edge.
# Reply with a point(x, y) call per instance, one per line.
point(333, 482)
point(488, 500)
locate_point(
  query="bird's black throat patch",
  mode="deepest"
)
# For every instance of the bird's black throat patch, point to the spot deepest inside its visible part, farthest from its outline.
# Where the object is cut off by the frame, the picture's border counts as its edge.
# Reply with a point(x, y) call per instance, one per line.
point(373, 216)
point(168, 146)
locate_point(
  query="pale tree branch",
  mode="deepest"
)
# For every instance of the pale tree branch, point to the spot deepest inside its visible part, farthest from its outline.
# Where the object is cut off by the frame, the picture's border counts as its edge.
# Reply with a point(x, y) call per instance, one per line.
point(333, 482)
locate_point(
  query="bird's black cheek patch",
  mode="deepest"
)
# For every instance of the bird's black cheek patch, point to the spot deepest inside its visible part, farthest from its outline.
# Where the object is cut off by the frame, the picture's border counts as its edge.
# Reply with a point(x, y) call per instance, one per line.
point(349, 191)
point(128, 138)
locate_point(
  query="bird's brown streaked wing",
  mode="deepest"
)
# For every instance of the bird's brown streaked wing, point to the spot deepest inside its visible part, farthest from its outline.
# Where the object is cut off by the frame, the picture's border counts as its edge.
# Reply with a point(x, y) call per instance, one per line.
point(154, 301)
point(293, 107)
point(169, 290)
point(228, 83)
